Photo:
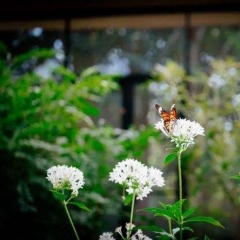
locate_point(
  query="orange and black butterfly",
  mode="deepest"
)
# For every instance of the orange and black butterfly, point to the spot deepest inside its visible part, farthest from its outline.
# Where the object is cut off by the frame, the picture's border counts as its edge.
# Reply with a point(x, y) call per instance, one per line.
point(169, 118)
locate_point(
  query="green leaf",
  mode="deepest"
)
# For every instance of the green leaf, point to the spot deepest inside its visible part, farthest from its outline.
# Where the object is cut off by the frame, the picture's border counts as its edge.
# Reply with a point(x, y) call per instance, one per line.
point(175, 208)
point(168, 235)
point(58, 195)
point(187, 229)
point(163, 205)
point(128, 199)
point(189, 212)
point(169, 158)
point(149, 209)
point(206, 237)
point(205, 219)
point(176, 230)
point(239, 199)
point(179, 203)
point(152, 228)
point(80, 205)
point(158, 212)
point(236, 177)
point(165, 213)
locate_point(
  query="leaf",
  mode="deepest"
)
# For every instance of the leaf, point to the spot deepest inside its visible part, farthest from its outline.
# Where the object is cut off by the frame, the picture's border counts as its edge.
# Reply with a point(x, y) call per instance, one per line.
point(80, 205)
point(176, 230)
point(206, 237)
point(58, 195)
point(168, 235)
point(175, 208)
point(205, 219)
point(163, 205)
point(179, 203)
point(128, 199)
point(189, 212)
point(152, 228)
point(158, 212)
point(162, 237)
point(187, 229)
point(149, 209)
point(169, 158)
point(236, 177)
point(165, 213)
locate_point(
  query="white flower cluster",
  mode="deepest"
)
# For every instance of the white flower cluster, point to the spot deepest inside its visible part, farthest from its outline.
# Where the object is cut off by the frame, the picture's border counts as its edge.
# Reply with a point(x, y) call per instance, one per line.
point(136, 177)
point(136, 236)
point(65, 178)
point(183, 131)
point(107, 236)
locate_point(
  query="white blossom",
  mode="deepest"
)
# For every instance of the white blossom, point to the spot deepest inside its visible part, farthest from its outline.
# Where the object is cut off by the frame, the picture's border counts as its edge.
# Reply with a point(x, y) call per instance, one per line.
point(136, 236)
point(136, 177)
point(65, 178)
point(155, 177)
point(183, 132)
point(140, 236)
point(106, 236)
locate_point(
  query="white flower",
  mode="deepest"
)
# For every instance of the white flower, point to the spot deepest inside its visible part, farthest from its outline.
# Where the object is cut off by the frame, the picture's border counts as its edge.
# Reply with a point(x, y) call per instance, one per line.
point(66, 178)
point(136, 177)
point(183, 132)
point(128, 227)
point(119, 230)
point(155, 177)
point(106, 236)
point(139, 236)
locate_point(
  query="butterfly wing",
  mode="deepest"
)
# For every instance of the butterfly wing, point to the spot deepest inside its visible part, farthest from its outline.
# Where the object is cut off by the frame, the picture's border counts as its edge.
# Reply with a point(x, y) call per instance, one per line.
point(173, 118)
point(173, 112)
point(169, 119)
point(165, 116)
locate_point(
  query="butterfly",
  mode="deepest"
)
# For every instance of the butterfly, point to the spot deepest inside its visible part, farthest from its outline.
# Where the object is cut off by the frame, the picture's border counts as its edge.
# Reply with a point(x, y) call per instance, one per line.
point(169, 118)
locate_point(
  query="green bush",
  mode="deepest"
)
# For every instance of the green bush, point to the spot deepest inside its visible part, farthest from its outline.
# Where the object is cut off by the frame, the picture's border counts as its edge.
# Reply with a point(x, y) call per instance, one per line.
point(211, 98)
point(52, 120)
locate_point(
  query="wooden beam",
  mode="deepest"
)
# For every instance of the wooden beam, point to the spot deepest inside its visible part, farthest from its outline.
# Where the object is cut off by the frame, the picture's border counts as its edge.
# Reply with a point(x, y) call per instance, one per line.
point(137, 21)
point(45, 24)
point(154, 21)
point(210, 19)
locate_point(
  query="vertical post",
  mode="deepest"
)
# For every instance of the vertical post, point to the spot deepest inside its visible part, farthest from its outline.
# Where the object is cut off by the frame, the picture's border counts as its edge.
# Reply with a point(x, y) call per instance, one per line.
point(67, 43)
point(127, 104)
point(187, 43)
point(127, 86)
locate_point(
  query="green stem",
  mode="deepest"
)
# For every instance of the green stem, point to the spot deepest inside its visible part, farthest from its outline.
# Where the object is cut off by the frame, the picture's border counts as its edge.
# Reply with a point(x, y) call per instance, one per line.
point(131, 218)
point(70, 219)
point(180, 190)
point(169, 225)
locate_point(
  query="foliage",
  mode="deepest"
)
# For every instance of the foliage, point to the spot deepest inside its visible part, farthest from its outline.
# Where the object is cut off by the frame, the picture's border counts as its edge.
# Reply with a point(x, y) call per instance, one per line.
point(52, 120)
point(213, 97)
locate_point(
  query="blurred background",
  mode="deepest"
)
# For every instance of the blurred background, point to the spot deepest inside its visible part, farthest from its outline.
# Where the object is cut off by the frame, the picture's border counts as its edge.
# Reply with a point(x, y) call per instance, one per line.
point(79, 82)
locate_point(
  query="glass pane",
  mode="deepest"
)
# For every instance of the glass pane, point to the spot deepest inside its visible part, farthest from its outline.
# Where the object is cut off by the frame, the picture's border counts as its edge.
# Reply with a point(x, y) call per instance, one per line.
point(126, 51)
point(21, 41)
point(214, 42)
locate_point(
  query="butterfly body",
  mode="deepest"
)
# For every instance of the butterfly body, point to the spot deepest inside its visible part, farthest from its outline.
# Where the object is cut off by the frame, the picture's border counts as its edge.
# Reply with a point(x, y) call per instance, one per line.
point(169, 118)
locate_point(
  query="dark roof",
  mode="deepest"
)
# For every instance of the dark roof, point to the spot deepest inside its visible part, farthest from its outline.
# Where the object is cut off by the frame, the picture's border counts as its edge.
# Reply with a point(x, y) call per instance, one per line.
point(26, 10)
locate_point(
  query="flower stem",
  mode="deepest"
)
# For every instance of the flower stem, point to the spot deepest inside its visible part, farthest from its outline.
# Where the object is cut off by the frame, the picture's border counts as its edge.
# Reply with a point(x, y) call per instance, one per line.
point(180, 190)
point(169, 225)
point(129, 231)
point(70, 219)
